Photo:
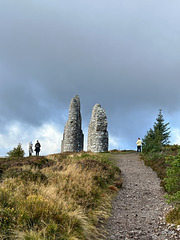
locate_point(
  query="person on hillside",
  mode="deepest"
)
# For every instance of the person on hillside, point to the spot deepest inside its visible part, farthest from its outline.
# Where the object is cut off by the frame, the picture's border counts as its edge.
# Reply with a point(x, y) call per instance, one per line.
point(37, 148)
point(139, 145)
point(30, 148)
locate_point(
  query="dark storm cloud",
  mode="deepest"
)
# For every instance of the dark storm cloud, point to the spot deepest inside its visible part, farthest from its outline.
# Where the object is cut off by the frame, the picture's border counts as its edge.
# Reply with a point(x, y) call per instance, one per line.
point(122, 54)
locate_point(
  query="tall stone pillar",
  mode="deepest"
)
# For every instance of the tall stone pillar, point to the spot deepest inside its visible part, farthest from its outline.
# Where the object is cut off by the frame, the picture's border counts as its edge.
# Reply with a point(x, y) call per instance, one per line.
point(73, 136)
point(97, 131)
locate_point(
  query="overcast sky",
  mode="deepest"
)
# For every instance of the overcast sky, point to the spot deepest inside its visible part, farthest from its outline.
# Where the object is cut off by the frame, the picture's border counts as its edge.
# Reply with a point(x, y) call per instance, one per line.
point(122, 54)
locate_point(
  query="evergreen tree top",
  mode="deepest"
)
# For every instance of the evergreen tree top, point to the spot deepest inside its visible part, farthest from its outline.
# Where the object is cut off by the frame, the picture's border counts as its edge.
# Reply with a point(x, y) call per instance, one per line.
point(162, 127)
point(157, 136)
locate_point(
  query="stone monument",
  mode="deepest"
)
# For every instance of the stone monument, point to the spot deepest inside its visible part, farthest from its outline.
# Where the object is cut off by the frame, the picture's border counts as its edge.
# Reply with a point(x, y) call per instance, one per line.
point(73, 136)
point(97, 131)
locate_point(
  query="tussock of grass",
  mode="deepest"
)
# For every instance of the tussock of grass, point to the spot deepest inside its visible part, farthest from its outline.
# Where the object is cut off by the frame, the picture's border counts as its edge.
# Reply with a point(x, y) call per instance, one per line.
point(61, 196)
point(174, 216)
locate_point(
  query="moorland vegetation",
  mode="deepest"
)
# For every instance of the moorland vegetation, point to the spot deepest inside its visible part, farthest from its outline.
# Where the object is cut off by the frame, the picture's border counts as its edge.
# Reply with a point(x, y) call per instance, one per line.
point(68, 196)
point(62, 196)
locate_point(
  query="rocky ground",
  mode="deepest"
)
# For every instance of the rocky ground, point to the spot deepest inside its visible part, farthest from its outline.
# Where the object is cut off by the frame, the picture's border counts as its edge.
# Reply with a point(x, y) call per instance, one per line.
point(139, 208)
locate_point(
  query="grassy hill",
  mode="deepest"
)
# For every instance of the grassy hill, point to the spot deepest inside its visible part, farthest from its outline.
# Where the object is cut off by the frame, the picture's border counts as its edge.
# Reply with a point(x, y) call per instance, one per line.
point(60, 196)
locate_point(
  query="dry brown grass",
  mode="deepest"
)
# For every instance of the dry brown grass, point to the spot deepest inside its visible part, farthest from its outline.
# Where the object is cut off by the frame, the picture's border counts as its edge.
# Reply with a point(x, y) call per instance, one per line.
point(63, 196)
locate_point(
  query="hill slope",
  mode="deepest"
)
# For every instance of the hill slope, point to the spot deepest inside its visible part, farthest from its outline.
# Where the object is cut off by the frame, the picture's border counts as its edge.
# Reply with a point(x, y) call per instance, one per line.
point(60, 196)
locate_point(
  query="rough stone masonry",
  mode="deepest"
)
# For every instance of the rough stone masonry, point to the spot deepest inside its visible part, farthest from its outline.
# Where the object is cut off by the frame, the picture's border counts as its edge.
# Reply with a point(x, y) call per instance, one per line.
point(97, 131)
point(73, 136)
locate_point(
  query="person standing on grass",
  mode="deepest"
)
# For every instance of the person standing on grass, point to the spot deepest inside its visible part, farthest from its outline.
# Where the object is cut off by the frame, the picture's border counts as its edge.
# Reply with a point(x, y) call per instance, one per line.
point(37, 148)
point(139, 145)
point(30, 149)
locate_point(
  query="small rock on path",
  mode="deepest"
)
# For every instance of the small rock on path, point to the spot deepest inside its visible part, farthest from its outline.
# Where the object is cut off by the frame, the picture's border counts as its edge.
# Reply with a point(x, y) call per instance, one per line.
point(139, 208)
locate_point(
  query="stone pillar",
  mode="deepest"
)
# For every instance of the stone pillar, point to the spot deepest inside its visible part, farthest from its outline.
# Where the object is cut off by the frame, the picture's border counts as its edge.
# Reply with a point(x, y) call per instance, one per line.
point(97, 131)
point(73, 136)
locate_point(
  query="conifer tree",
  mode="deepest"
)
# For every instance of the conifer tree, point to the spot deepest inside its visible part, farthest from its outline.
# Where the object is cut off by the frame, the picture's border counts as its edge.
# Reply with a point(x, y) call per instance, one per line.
point(16, 152)
point(157, 137)
point(162, 129)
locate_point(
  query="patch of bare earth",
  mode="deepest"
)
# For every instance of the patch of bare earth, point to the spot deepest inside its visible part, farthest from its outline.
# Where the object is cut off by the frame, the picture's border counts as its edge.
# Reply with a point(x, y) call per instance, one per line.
point(139, 208)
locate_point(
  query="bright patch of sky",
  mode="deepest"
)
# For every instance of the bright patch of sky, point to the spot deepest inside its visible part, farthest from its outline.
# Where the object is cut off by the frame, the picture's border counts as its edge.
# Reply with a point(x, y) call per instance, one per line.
point(48, 135)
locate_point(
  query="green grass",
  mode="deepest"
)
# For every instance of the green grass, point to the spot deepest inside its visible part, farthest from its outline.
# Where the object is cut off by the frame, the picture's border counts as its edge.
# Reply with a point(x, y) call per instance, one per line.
point(61, 196)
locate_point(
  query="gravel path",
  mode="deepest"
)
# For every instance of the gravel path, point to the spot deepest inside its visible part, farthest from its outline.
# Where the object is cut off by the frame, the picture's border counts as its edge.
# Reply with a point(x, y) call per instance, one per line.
point(138, 210)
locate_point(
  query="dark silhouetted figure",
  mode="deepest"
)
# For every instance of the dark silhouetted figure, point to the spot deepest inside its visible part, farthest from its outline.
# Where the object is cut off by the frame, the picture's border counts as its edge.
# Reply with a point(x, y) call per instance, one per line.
point(37, 148)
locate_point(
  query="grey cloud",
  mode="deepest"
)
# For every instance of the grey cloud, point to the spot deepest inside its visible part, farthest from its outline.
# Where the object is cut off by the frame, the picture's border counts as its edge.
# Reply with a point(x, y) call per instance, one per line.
point(122, 54)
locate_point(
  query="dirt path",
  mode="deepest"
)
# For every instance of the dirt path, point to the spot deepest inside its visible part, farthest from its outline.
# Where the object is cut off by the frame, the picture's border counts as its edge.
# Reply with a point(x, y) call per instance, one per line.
point(139, 207)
